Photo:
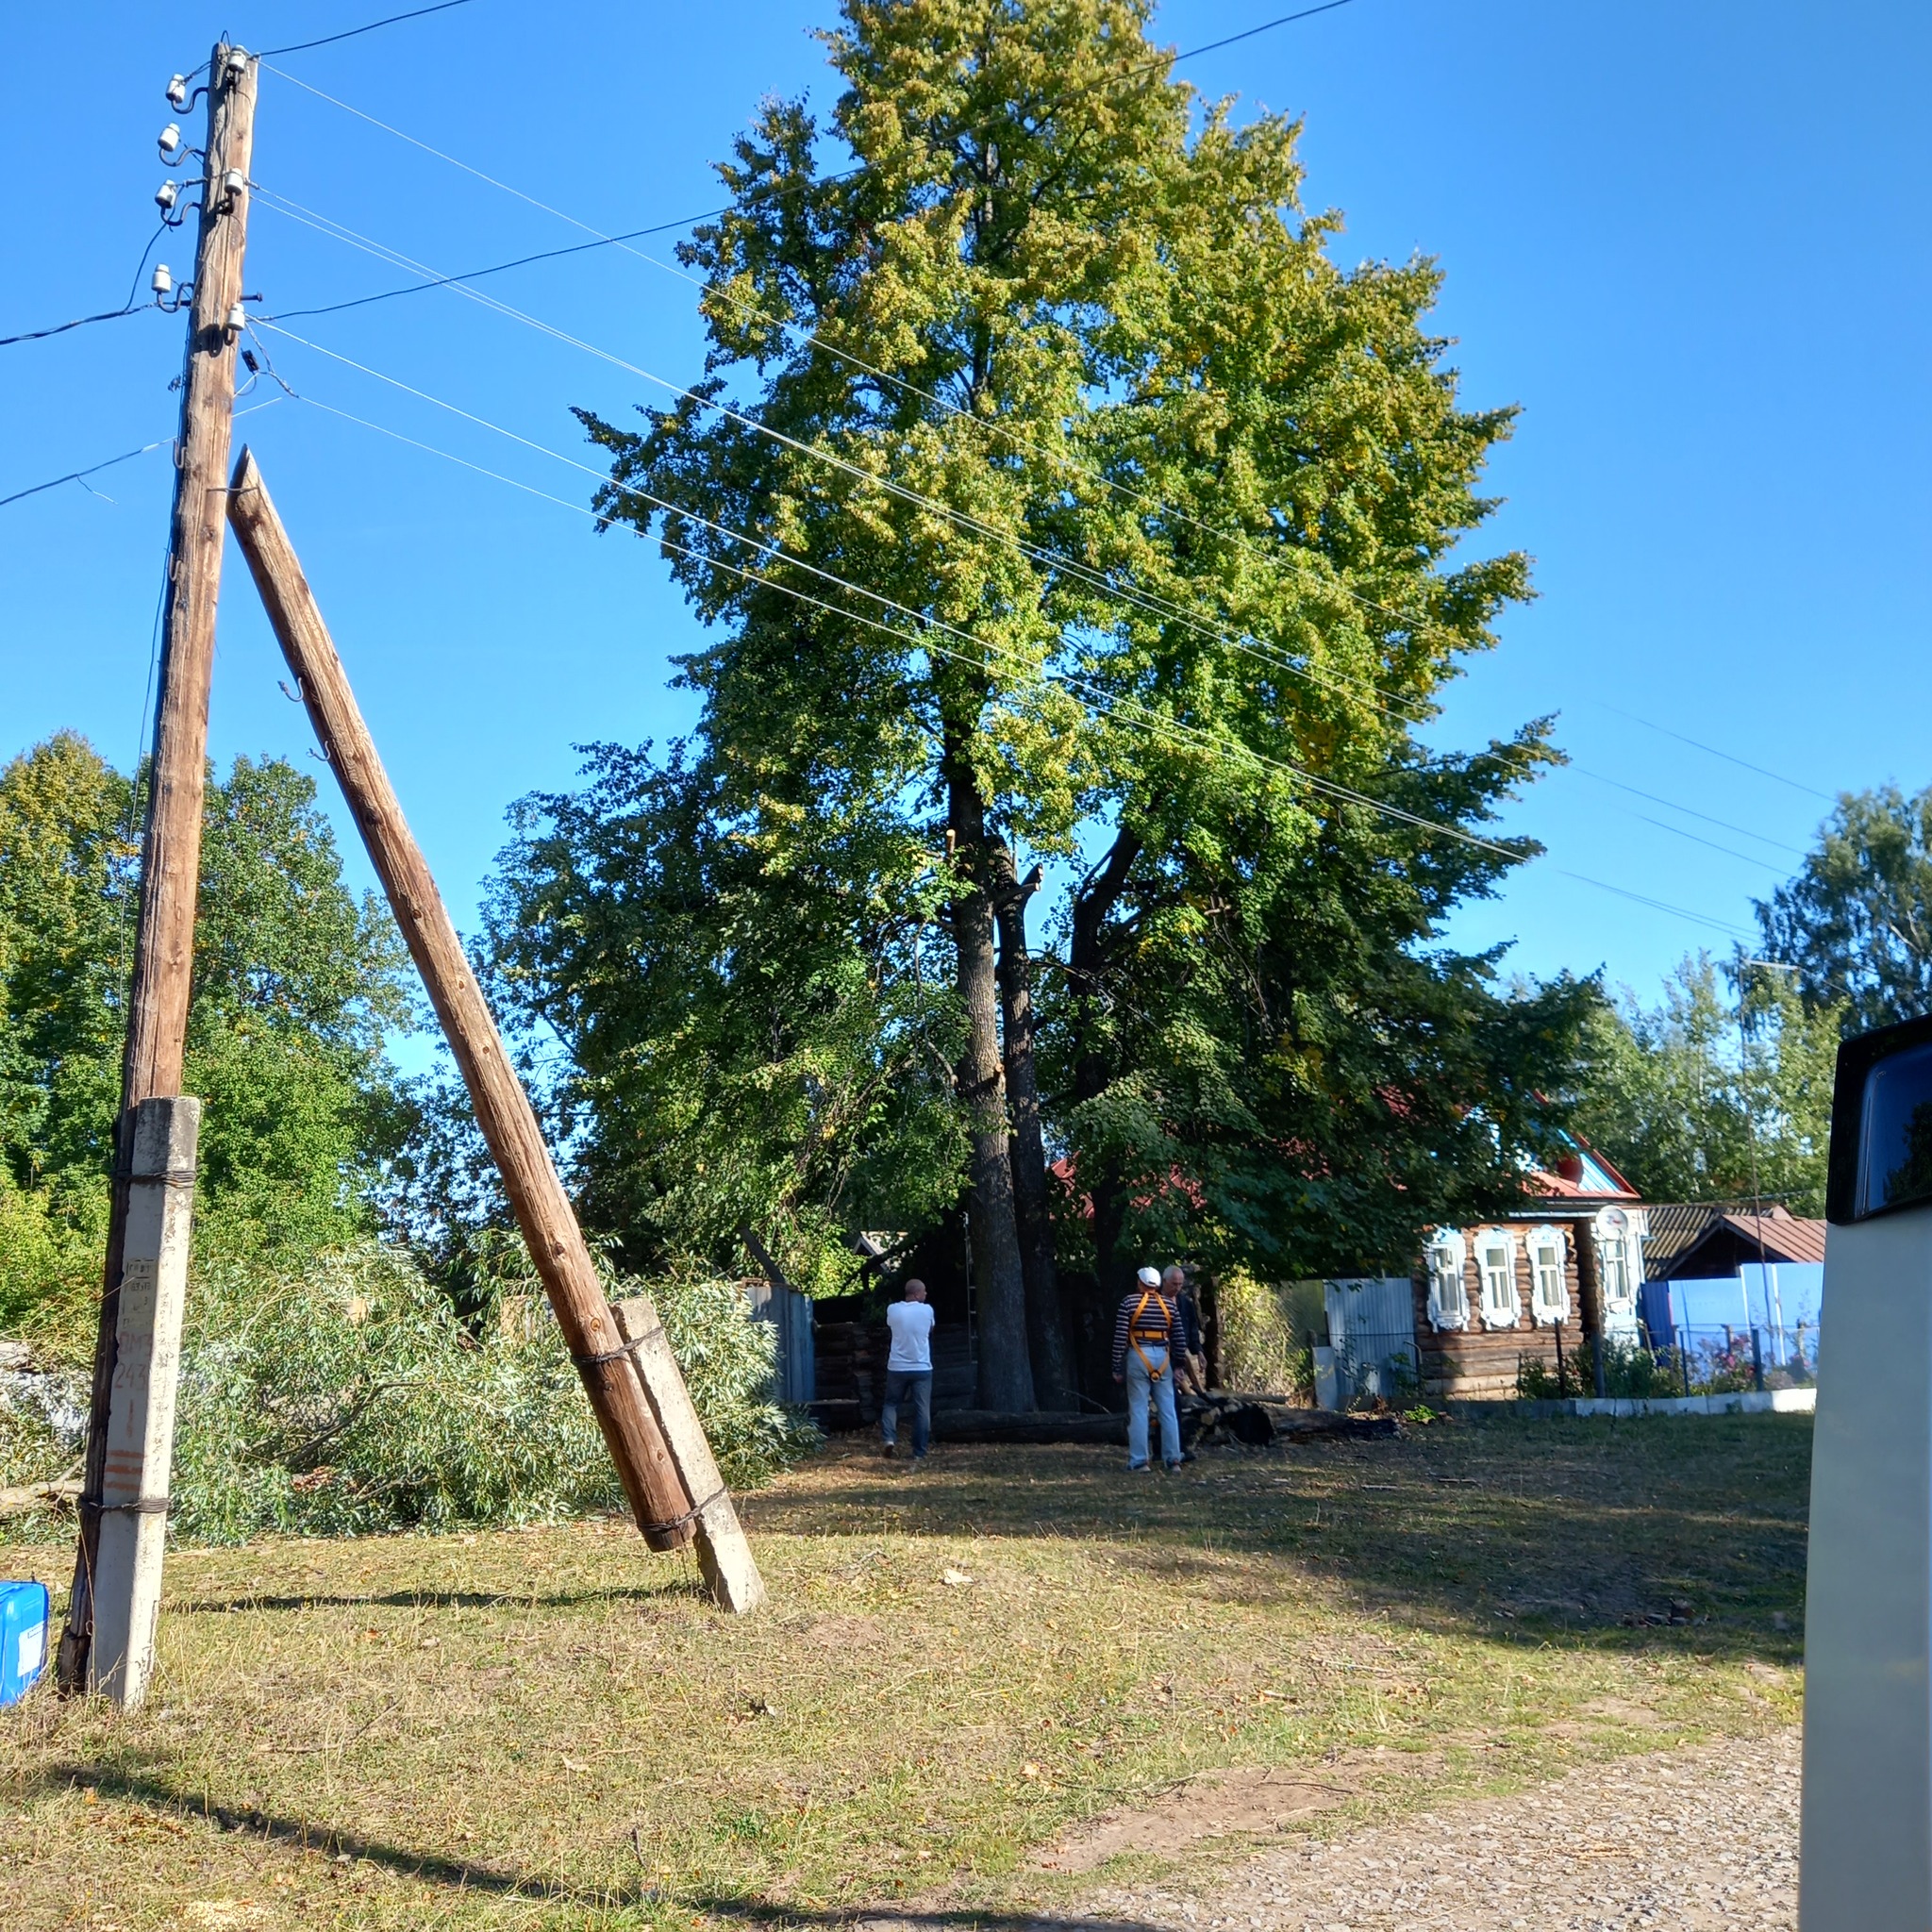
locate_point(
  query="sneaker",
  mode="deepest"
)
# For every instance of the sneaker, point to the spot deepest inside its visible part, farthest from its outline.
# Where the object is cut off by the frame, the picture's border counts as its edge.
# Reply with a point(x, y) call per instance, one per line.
point(1134, 1468)
point(888, 1450)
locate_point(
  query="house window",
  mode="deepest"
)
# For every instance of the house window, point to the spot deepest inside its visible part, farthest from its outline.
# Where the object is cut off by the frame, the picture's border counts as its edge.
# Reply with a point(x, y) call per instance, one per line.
point(1549, 1295)
point(1615, 1251)
point(1448, 1299)
point(1496, 1255)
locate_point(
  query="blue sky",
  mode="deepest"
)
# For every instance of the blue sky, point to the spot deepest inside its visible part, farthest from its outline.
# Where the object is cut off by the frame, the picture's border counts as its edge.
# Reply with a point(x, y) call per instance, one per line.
point(1691, 242)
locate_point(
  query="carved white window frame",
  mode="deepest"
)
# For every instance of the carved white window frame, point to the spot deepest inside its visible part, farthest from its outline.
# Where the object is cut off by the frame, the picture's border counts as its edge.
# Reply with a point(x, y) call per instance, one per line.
point(1445, 1257)
point(1549, 1289)
point(1495, 1263)
point(1619, 1265)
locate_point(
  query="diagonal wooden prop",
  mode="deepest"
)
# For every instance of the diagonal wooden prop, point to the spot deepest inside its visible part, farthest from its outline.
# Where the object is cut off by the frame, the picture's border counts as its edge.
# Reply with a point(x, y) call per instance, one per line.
point(634, 1386)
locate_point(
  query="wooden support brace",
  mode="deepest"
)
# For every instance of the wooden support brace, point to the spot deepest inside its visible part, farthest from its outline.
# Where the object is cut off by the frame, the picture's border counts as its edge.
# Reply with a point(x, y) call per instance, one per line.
point(724, 1554)
point(656, 1491)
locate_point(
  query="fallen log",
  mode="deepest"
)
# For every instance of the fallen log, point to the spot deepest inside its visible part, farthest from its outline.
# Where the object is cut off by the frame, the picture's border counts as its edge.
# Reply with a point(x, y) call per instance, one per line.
point(20, 1500)
point(1038, 1426)
point(1250, 1420)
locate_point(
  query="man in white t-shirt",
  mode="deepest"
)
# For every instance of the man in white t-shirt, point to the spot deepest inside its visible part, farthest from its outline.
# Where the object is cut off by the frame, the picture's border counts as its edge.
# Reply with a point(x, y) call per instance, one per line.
point(908, 1370)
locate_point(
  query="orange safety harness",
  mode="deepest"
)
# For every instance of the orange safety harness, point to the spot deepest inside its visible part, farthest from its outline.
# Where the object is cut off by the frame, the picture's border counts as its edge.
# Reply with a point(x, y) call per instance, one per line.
point(1164, 1333)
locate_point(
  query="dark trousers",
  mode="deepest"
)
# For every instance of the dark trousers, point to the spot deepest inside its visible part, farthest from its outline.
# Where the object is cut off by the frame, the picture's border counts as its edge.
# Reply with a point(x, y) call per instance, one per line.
point(913, 1386)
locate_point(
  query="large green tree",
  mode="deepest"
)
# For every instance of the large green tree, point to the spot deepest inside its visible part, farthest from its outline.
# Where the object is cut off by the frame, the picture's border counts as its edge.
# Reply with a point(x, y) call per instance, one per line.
point(1856, 921)
point(756, 1055)
point(1718, 1092)
point(1059, 503)
point(295, 983)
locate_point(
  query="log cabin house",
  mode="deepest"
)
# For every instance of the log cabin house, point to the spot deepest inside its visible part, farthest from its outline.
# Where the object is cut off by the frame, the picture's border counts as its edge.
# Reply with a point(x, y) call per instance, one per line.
point(1553, 1276)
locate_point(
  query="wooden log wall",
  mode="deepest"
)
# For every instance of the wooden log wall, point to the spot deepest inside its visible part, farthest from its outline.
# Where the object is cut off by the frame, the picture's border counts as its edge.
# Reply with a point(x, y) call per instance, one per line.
point(1478, 1362)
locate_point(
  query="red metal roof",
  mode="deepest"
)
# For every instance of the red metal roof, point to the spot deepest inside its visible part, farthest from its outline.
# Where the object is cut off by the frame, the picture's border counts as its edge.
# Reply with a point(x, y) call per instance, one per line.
point(1595, 1178)
point(1678, 1229)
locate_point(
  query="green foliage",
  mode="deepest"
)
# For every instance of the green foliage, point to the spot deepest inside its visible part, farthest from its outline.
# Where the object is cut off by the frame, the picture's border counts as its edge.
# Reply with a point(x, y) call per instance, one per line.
point(50, 1264)
point(753, 1039)
point(1154, 505)
point(295, 982)
point(1691, 1108)
point(1257, 1347)
point(1539, 1380)
point(346, 1398)
point(1857, 921)
point(1287, 1067)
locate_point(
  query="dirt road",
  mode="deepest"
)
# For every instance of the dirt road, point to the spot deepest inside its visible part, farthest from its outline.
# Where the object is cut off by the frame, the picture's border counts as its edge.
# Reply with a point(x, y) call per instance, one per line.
point(1688, 1840)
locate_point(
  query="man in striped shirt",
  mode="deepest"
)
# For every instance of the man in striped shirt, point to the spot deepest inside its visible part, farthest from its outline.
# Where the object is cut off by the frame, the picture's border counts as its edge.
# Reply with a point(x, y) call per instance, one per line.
point(1148, 1331)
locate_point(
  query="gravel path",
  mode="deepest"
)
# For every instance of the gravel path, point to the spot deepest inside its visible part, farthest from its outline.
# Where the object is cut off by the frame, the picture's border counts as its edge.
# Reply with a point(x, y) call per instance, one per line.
point(1691, 1840)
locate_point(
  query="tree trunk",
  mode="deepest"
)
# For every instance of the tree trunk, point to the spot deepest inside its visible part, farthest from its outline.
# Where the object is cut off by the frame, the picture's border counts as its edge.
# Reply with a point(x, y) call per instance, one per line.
point(1093, 907)
point(1006, 1366)
point(1053, 1381)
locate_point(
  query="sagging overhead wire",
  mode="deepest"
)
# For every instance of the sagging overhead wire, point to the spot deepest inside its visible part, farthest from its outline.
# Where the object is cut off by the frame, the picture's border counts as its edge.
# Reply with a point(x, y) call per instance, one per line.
point(130, 307)
point(1091, 578)
point(92, 470)
point(918, 632)
point(1711, 751)
point(920, 638)
point(1306, 568)
point(352, 33)
point(1088, 575)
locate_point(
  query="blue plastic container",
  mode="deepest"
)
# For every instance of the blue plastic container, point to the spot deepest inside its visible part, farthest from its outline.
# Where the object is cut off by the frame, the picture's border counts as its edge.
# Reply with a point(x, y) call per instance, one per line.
point(23, 1637)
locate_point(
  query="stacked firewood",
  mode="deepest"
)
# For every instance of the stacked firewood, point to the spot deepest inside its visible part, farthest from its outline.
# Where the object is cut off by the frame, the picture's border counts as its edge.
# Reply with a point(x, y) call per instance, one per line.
point(851, 1371)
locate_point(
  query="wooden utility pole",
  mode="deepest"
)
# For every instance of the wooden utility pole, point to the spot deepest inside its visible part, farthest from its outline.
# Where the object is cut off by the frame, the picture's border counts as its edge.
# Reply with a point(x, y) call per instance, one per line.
point(657, 1494)
point(171, 847)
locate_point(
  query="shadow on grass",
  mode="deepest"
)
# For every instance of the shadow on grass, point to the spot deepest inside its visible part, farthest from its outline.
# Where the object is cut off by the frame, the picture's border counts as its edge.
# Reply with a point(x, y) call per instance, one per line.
point(463, 1875)
point(672, 1588)
point(760, 1912)
point(1683, 1535)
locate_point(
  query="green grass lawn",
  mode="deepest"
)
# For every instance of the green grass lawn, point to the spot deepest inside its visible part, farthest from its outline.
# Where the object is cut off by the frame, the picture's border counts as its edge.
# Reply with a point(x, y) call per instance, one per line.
point(551, 1727)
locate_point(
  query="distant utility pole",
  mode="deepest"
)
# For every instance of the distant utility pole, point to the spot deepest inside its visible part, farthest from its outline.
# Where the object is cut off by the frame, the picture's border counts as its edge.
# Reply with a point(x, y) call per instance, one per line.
point(170, 845)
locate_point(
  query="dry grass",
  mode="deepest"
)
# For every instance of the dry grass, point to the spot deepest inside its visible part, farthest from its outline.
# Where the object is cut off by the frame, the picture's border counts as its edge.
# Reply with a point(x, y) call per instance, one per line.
point(548, 1727)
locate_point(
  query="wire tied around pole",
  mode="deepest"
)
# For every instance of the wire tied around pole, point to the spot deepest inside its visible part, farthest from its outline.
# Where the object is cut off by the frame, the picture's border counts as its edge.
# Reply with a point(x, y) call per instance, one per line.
point(690, 1516)
point(617, 1354)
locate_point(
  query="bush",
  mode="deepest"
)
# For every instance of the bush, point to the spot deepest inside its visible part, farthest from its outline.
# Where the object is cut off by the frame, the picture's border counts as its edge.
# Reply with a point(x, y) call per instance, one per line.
point(1630, 1368)
point(52, 1240)
point(1256, 1347)
point(349, 1398)
point(1537, 1378)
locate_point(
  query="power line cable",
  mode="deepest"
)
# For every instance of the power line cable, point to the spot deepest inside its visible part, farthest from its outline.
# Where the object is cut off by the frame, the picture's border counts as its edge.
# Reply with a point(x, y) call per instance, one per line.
point(1698, 839)
point(1093, 579)
point(128, 307)
point(1690, 811)
point(920, 638)
point(92, 469)
point(1304, 566)
point(1711, 751)
point(60, 329)
point(1267, 26)
point(474, 275)
point(351, 33)
point(1275, 557)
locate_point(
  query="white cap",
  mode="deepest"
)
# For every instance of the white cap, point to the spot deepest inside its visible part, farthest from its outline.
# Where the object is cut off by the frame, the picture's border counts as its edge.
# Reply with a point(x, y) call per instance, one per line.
point(1150, 1277)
